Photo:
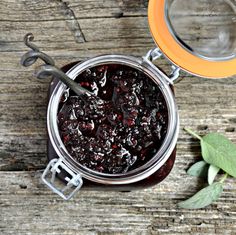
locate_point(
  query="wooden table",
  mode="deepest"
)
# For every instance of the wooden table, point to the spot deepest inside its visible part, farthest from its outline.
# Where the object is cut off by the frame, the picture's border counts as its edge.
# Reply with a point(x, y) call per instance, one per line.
point(76, 30)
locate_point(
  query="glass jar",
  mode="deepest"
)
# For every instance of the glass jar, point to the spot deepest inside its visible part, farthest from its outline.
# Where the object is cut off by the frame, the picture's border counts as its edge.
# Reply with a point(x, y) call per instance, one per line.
point(207, 51)
point(148, 174)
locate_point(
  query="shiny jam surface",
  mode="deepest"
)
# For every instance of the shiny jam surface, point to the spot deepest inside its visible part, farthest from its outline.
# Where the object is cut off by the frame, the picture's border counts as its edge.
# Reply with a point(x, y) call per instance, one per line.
point(120, 131)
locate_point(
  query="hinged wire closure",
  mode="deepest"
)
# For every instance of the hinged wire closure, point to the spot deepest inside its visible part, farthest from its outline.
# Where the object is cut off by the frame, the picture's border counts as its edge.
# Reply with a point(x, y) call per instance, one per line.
point(155, 54)
point(49, 178)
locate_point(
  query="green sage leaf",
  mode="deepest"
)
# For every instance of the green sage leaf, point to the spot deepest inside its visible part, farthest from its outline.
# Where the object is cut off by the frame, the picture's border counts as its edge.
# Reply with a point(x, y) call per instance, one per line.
point(204, 197)
point(212, 172)
point(199, 169)
point(219, 151)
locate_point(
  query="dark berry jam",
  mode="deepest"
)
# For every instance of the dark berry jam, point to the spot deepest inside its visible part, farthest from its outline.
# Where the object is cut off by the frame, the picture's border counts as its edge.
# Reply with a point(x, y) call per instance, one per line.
point(123, 128)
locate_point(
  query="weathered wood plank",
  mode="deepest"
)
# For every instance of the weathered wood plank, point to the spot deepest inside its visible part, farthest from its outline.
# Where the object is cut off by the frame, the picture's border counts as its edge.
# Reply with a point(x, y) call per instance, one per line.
point(57, 9)
point(120, 26)
point(29, 208)
point(64, 26)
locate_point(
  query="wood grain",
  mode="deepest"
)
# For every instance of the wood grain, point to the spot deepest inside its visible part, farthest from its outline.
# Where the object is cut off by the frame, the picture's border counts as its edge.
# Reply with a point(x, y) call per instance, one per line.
point(75, 30)
point(30, 208)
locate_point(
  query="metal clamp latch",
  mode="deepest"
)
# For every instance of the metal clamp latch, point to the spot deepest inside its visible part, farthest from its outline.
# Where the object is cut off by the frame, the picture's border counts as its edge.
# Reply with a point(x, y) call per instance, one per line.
point(155, 54)
point(49, 178)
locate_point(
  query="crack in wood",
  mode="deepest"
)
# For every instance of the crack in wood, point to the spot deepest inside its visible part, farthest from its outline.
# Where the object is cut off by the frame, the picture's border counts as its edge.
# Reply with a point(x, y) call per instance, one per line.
point(72, 22)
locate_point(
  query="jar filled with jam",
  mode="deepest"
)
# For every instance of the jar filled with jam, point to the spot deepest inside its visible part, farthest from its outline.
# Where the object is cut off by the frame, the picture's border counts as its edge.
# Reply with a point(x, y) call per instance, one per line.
point(122, 134)
point(124, 140)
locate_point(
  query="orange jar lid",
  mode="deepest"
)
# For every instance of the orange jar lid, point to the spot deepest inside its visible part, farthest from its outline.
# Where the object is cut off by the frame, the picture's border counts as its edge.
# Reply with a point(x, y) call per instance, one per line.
point(179, 54)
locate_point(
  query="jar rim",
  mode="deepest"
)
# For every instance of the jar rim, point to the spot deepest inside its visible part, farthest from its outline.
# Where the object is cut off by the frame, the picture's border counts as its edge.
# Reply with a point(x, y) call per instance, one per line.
point(156, 161)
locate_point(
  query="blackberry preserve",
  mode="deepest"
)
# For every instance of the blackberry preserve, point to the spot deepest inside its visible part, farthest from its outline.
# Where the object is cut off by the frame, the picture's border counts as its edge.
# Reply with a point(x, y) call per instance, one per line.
point(120, 131)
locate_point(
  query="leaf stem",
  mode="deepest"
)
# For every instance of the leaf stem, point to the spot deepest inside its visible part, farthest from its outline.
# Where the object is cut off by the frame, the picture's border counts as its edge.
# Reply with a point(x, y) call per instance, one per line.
point(192, 133)
point(224, 178)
